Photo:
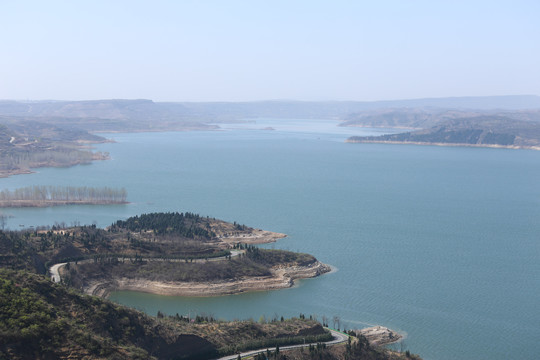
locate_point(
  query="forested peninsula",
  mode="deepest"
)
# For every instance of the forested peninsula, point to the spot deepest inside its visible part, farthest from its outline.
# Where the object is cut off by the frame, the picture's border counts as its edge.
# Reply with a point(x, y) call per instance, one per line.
point(40, 318)
point(189, 255)
point(164, 253)
point(43, 196)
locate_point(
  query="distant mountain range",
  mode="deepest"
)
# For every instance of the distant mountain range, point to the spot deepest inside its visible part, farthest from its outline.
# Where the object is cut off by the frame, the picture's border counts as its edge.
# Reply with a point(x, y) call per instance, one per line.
point(146, 110)
point(71, 120)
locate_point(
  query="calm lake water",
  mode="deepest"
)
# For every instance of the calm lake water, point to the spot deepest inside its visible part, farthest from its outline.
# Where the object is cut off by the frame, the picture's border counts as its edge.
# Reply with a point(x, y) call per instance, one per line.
point(439, 243)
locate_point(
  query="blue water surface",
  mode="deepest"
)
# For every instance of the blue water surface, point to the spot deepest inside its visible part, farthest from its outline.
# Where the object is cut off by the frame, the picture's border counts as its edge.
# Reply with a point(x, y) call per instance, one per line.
point(439, 243)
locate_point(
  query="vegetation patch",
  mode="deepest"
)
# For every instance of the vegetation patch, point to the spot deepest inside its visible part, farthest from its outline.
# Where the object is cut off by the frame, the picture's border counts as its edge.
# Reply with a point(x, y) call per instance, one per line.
point(166, 271)
point(39, 319)
point(184, 224)
point(40, 196)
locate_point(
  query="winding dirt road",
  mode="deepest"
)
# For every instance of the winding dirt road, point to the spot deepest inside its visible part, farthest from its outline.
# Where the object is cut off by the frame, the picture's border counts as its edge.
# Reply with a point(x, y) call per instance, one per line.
point(55, 274)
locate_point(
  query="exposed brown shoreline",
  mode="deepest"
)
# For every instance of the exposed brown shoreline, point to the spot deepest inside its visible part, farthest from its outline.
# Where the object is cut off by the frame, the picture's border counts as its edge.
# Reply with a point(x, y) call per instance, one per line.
point(281, 278)
point(257, 236)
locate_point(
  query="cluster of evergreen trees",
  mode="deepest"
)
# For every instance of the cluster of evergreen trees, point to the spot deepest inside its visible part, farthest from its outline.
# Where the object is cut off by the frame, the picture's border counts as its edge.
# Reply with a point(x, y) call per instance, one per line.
point(65, 194)
point(187, 224)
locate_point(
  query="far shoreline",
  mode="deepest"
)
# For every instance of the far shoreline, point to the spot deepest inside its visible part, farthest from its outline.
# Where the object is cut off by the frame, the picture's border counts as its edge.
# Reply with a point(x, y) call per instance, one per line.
point(492, 146)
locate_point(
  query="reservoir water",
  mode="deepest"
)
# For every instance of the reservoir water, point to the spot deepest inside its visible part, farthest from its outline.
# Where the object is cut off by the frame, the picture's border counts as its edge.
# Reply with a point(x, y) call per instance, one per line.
point(439, 243)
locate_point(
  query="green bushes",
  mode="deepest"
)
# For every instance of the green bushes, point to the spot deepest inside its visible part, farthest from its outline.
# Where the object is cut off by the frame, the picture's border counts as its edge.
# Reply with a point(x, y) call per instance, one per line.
point(278, 257)
point(42, 319)
point(184, 224)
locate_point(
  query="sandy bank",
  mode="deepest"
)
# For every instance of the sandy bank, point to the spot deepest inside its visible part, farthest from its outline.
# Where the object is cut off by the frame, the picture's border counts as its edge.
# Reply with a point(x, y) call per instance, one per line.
point(281, 278)
point(380, 335)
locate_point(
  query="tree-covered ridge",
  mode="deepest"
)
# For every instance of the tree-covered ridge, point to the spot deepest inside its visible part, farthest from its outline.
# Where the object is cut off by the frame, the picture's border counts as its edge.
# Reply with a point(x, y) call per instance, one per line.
point(271, 257)
point(177, 236)
point(39, 319)
point(44, 195)
point(35, 249)
point(185, 224)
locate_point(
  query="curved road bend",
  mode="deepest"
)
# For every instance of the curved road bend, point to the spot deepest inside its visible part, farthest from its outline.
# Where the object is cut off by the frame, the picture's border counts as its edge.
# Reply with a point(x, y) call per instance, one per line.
point(339, 338)
point(55, 274)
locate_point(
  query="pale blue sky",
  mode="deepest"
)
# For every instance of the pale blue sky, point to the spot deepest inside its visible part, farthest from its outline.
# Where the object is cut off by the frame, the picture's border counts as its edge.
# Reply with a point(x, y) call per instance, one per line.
point(256, 50)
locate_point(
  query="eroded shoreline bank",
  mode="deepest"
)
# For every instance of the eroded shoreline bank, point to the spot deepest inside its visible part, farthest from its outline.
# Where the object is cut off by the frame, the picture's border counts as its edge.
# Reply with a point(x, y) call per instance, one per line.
point(280, 275)
point(281, 278)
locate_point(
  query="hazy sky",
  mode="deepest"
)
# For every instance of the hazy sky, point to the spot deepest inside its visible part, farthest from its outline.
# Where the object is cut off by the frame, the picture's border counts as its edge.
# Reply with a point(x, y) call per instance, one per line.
point(255, 50)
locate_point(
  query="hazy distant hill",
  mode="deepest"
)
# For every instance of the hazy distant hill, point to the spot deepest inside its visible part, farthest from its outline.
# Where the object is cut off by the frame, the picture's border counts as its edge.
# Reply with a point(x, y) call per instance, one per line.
point(478, 131)
point(70, 120)
point(104, 109)
point(147, 111)
point(422, 118)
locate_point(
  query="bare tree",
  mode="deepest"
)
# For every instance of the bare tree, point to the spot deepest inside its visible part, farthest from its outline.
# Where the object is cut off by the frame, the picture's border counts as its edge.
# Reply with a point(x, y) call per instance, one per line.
point(335, 320)
point(3, 218)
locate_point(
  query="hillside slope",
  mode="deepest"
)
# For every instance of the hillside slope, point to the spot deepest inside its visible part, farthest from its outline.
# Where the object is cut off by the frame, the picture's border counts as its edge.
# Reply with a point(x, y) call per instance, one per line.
point(39, 319)
point(489, 131)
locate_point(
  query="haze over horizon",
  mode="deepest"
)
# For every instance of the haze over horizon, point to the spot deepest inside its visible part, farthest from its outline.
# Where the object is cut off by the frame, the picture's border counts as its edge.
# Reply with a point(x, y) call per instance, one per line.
point(255, 51)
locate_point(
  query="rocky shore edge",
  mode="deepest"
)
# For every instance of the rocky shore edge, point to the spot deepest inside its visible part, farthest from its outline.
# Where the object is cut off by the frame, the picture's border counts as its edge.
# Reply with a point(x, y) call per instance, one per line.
point(281, 278)
point(257, 236)
point(380, 335)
